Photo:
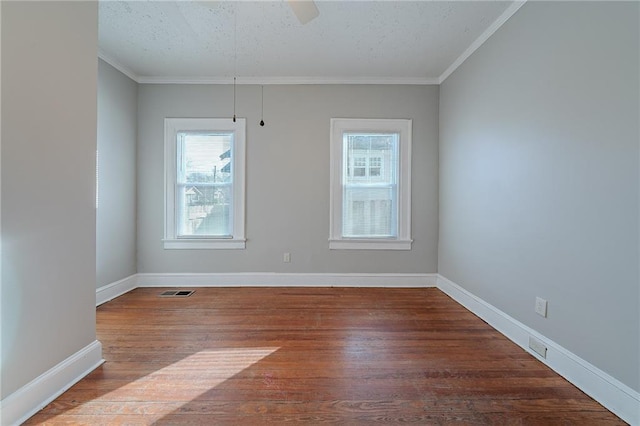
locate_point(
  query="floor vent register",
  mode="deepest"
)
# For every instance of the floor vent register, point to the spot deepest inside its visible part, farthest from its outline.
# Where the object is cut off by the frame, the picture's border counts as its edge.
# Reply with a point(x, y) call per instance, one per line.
point(177, 293)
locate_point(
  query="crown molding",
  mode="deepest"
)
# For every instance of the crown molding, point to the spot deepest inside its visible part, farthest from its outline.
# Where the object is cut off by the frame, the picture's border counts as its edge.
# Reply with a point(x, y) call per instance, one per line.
point(508, 13)
point(287, 80)
point(263, 80)
point(117, 65)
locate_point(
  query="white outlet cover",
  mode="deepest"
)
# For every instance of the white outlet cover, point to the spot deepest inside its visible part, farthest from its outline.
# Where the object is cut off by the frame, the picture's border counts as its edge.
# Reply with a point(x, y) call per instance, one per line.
point(541, 307)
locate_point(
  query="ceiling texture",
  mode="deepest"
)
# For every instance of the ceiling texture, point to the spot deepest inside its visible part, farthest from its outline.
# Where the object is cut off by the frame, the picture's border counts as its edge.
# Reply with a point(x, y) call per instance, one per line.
point(413, 42)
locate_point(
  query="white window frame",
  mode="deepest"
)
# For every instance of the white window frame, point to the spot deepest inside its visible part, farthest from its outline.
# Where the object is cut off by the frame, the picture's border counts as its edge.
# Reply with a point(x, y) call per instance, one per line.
point(339, 126)
point(172, 127)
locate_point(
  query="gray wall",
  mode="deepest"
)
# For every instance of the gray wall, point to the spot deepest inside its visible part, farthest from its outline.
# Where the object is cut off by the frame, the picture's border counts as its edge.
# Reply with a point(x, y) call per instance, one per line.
point(116, 214)
point(287, 176)
point(49, 70)
point(539, 177)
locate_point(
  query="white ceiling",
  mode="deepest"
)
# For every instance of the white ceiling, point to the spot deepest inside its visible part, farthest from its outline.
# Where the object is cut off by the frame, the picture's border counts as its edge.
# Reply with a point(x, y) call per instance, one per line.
point(350, 41)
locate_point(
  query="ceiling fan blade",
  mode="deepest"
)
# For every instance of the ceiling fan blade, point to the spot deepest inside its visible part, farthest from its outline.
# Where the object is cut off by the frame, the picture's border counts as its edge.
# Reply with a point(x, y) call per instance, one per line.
point(305, 10)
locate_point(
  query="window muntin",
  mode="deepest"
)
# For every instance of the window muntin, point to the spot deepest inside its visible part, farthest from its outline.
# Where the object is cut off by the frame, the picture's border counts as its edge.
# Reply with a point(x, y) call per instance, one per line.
point(359, 166)
point(370, 191)
point(375, 166)
point(204, 180)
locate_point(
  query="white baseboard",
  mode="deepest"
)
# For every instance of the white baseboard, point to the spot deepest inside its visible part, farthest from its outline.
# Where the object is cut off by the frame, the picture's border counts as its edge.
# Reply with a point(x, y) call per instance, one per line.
point(118, 288)
point(260, 279)
point(35, 395)
point(608, 391)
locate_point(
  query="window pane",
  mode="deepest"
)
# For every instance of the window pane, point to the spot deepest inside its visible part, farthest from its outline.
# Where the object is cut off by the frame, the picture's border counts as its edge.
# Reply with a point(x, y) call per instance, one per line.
point(370, 185)
point(359, 172)
point(368, 212)
point(204, 187)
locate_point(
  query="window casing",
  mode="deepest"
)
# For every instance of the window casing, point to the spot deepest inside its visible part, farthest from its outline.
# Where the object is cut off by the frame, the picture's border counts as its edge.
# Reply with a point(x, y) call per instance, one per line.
point(204, 183)
point(370, 184)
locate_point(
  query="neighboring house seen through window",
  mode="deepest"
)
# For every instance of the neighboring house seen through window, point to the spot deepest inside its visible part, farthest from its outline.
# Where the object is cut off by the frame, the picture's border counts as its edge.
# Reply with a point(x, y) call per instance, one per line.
point(204, 162)
point(370, 184)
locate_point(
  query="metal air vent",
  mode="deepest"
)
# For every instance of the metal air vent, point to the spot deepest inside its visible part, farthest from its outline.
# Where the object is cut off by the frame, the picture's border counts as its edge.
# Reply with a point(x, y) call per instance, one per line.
point(177, 293)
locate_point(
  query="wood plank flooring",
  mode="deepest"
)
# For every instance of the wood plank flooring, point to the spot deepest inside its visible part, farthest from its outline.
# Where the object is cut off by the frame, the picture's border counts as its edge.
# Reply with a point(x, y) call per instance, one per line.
point(250, 356)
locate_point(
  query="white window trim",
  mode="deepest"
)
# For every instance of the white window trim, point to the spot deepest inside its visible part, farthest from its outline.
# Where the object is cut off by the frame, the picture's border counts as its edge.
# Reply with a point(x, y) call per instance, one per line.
point(172, 127)
point(338, 127)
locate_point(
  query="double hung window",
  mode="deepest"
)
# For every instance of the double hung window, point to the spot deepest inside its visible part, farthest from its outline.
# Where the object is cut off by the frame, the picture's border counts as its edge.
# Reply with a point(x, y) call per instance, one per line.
point(204, 176)
point(370, 184)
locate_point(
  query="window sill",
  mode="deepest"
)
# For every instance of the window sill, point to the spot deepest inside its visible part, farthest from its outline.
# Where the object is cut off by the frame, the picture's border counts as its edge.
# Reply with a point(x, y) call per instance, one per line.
point(370, 244)
point(204, 244)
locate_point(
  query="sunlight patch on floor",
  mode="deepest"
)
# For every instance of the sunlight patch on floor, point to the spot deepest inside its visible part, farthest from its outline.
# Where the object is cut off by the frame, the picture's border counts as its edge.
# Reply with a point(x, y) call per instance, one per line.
point(155, 394)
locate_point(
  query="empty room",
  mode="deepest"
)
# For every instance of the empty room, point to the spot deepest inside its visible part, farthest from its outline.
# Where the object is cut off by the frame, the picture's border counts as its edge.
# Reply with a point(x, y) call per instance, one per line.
point(308, 212)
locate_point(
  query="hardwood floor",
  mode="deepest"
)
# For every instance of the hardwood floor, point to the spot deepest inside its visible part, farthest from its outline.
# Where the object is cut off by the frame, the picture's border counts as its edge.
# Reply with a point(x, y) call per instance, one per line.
point(248, 356)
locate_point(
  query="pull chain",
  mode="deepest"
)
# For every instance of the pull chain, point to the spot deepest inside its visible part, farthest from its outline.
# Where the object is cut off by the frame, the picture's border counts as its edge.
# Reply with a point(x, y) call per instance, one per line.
point(235, 57)
point(262, 108)
point(234, 99)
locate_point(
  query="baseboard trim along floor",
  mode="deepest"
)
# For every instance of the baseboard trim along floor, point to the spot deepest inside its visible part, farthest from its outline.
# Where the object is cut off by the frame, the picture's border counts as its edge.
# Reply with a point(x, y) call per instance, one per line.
point(608, 391)
point(620, 399)
point(31, 398)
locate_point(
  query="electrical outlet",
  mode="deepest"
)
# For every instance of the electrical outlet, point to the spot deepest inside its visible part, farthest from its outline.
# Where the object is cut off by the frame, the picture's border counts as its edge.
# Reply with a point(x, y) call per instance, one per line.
point(541, 307)
point(286, 258)
point(538, 347)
